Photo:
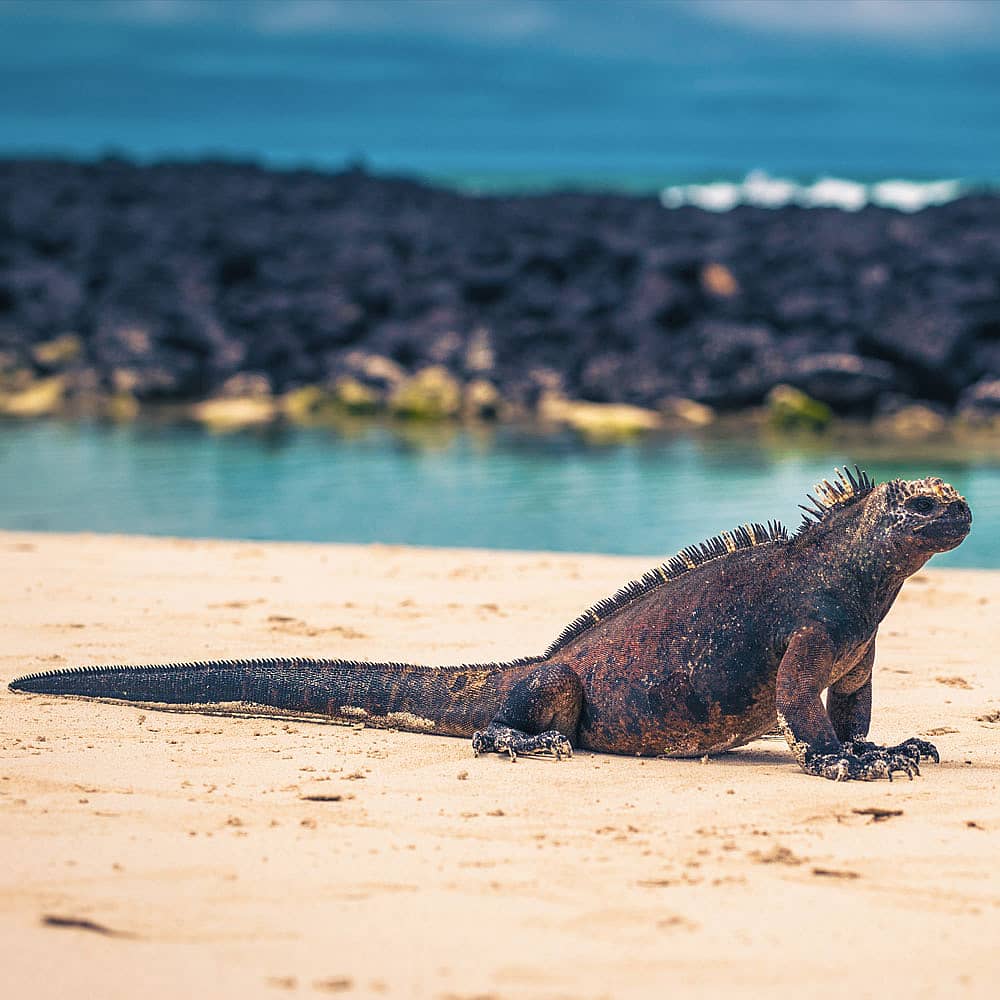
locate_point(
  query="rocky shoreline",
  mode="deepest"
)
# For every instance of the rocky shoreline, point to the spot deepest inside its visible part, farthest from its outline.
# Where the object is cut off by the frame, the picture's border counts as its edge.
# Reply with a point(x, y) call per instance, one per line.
point(235, 295)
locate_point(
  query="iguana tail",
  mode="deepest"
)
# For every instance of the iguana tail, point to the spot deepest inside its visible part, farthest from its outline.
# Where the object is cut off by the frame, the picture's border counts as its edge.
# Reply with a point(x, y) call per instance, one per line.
point(452, 701)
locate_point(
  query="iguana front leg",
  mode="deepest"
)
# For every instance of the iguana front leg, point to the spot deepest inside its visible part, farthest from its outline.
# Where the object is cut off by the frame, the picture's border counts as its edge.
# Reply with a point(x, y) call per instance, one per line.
point(849, 705)
point(540, 714)
point(803, 674)
point(849, 700)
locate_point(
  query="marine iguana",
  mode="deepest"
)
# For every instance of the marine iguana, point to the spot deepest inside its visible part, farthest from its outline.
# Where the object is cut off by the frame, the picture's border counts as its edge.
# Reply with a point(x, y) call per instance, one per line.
point(707, 651)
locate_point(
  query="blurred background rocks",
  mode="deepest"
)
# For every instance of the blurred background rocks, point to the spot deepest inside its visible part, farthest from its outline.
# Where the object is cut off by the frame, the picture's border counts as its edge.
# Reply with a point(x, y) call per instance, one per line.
point(123, 286)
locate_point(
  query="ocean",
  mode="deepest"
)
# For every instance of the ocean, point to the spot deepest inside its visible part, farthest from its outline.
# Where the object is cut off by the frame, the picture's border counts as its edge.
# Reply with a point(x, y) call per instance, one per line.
point(631, 96)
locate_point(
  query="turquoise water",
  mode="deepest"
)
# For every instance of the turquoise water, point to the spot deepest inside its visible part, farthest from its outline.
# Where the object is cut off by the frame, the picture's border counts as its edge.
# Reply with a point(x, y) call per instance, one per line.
point(505, 489)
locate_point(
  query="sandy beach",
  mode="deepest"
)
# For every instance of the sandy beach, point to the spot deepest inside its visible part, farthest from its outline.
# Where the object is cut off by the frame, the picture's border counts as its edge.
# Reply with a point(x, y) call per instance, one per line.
point(162, 855)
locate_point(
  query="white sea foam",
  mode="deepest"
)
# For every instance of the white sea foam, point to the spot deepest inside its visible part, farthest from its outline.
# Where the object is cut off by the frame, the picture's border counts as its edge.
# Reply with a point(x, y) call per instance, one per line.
point(834, 192)
point(764, 191)
point(909, 196)
point(717, 197)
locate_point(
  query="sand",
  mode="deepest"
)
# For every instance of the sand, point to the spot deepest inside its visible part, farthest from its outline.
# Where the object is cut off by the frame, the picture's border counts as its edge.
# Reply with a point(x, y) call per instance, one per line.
point(164, 855)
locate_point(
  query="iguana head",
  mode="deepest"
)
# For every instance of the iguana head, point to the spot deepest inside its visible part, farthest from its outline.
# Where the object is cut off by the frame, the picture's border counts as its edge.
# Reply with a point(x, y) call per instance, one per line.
point(904, 520)
point(927, 514)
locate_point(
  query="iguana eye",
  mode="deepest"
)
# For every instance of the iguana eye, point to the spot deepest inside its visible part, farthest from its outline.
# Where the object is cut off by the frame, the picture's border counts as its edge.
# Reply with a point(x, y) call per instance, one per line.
point(920, 505)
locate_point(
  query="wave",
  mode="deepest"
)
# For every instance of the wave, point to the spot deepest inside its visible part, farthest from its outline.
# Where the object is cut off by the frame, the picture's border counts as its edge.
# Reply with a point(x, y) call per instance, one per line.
point(764, 191)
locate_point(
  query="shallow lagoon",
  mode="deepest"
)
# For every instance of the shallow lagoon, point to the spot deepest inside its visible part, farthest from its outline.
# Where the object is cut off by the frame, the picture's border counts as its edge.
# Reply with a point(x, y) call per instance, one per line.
point(498, 488)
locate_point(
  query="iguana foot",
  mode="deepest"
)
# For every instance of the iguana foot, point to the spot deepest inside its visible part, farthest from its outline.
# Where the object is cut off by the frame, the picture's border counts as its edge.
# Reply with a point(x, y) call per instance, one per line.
point(913, 748)
point(503, 739)
point(866, 766)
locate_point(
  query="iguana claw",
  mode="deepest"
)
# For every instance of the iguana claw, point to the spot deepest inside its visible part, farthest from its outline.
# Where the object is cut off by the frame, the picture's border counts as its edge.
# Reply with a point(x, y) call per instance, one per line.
point(503, 739)
point(916, 750)
point(867, 766)
point(920, 749)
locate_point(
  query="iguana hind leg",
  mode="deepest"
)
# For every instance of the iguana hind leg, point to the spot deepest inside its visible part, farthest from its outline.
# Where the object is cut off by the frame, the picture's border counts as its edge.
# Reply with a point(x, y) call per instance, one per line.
point(540, 715)
point(496, 738)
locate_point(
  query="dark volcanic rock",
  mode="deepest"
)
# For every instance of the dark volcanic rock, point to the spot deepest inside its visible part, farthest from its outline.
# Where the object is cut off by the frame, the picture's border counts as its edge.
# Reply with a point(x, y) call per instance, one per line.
point(167, 281)
point(981, 401)
point(931, 341)
point(846, 382)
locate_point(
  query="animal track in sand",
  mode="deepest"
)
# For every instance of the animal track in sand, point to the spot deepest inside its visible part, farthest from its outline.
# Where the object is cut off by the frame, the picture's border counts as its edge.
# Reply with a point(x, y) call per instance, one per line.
point(778, 855)
point(295, 626)
point(955, 682)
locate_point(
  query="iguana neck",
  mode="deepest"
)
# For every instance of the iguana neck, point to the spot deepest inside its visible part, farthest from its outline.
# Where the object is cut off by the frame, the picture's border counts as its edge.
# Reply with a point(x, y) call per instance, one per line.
point(850, 556)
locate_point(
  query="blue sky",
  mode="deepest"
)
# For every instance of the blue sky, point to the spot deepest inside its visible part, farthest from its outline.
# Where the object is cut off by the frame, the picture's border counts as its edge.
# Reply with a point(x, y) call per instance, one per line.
point(674, 88)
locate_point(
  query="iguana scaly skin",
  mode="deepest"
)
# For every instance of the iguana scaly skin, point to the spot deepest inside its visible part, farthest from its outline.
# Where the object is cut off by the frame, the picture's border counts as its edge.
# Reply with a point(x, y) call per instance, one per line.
point(706, 652)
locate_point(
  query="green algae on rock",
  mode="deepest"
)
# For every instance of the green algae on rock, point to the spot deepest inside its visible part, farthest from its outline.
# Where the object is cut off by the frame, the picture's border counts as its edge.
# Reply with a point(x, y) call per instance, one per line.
point(792, 409)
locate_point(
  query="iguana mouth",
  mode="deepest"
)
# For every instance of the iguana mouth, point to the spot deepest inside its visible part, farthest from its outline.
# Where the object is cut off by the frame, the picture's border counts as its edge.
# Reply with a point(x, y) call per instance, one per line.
point(950, 527)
